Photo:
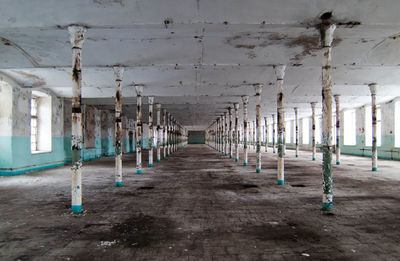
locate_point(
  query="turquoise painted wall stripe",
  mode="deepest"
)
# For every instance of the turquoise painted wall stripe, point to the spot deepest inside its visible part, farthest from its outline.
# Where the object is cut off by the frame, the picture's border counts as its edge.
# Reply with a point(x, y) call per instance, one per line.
point(21, 171)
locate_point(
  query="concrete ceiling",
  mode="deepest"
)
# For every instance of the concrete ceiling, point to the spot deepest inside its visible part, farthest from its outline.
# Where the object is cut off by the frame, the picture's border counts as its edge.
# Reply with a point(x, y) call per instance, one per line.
point(197, 57)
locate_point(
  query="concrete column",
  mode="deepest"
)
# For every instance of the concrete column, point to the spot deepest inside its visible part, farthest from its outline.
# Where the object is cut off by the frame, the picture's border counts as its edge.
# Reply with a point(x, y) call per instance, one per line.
point(296, 120)
point(258, 88)
point(236, 135)
point(217, 135)
point(226, 130)
point(230, 133)
point(245, 100)
point(151, 131)
point(266, 133)
point(164, 136)
point(169, 133)
point(139, 130)
point(173, 135)
point(253, 136)
point(372, 88)
point(327, 30)
point(273, 134)
point(337, 101)
point(159, 132)
point(77, 35)
point(118, 73)
point(313, 141)
point(280, 73)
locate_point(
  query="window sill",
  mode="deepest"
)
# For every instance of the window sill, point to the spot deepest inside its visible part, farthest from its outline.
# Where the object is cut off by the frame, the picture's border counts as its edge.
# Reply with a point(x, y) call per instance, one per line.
point(41, 151)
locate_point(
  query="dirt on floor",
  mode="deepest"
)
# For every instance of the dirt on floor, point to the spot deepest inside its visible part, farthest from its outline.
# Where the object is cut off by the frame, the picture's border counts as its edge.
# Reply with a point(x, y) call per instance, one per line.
point(200, 205)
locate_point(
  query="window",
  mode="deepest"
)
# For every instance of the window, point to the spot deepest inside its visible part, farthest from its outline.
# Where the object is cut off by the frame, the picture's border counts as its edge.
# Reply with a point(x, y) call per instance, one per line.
point(318, 124)
point(333, 130)
point(40, 122)
point(305, 131)
point(34, 120)
point(288, 132)
point(294, 131)
point(349, 127)
point(270, 133)
point(368, 126)
point(397, 124)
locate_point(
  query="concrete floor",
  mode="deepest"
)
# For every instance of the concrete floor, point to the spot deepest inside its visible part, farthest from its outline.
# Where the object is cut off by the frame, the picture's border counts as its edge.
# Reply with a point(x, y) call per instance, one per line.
point(200, 205)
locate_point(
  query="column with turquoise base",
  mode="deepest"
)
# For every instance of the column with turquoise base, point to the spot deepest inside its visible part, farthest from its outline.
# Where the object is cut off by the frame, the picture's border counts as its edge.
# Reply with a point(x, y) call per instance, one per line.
point(77, 35)
point(245, 100)
point(258, 88)
point(280, 73)
point(118, 73)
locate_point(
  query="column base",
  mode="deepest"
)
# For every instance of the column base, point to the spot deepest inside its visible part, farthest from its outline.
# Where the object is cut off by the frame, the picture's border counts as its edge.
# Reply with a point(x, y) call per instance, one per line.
point(76, 208)
point(245, 164)
point(327, 206)
point(313, 159)
point(158, 160)
point(226, 154)
point(281, 182)
point(337, 163)
point(236, 160)
point(258, 170)
point(297, 156)
point(374, 169)
point(230, 156)
point(164, 157)
point(118, 184)
point(139, 171)
point(150, 165)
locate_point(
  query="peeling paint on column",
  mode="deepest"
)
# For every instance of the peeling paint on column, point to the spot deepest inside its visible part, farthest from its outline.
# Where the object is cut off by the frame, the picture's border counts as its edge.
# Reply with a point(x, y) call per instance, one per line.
point(236, 135)
point(168, 134)
point(225, 133)
point(374, 157)
point(118, 73)
point(230, 134)
point(151, 131)
point(139, 130)
point(327, 30)
point(266, 133)
point(159, 131)
point(273, 134)
point(258, 88)
point(280, 73)
point(296, 122)
point(164, 136)
point(245, 100)
point(76, 38)
point(253, 136)
point(313, 140)
point(337, 101)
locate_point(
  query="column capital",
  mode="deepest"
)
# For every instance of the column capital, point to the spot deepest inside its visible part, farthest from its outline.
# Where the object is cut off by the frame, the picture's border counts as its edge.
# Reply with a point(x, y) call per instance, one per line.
point(158, 107)
point(313, 104)
point(118, 73)
point(245, 99)
point(151, 100)
point(372, 88)
point(327, 30)
point(139, 90)
point(280, 71)
point(76, 35)
point(236, 105)
point(258, 88)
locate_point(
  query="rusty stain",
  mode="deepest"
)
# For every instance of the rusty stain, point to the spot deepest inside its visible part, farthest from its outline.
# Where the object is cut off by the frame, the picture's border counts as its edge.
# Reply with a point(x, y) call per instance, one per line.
point(247, 46)
point(109, 2)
